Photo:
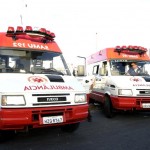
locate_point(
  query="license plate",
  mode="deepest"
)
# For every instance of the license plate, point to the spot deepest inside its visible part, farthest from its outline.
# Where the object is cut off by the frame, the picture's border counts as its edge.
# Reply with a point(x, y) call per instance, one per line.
point(146, 105)
point(52, 119)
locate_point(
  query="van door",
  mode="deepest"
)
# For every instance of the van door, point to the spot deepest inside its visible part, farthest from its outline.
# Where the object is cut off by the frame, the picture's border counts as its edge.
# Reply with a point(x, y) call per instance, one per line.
point(100, 81)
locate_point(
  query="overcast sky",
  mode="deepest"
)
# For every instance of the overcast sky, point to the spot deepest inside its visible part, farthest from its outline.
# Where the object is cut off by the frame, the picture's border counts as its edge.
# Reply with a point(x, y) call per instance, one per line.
point(83, 26)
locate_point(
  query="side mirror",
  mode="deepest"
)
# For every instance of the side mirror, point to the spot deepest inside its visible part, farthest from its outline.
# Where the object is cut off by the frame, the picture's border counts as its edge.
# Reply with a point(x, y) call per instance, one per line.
point(80, 70)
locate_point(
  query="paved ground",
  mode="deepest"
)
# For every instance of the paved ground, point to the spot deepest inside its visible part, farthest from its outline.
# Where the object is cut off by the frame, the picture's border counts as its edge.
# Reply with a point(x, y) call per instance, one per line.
point(126, 131)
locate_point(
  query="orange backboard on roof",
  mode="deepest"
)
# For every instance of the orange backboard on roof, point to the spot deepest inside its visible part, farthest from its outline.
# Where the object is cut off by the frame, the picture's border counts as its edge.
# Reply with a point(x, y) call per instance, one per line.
point(110, 53)
point(27, 42)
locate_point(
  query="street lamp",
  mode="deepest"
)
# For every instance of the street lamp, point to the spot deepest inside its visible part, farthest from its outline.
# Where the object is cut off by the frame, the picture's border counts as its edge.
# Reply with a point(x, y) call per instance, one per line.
point(84, 62)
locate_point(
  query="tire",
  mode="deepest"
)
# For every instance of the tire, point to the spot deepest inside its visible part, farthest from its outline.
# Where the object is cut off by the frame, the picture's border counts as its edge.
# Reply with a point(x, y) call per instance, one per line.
point(70, 127)
point(108, 108)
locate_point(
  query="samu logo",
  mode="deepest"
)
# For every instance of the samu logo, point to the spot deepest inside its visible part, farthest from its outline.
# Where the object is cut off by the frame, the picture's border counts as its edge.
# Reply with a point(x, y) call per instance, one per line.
point(135, 79)
point(37, 79)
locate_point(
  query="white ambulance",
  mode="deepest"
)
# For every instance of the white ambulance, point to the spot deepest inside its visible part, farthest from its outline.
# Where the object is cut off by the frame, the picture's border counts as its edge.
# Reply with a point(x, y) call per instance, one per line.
point(37, 89)
point(113, 86)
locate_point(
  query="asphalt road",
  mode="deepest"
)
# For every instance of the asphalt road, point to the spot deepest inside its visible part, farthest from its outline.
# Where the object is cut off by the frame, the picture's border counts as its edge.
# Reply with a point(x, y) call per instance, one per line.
point(126, 131)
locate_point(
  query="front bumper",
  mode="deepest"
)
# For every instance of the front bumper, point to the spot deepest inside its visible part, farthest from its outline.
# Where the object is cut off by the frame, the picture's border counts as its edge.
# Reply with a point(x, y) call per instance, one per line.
point(15, 119)
point(128, 103)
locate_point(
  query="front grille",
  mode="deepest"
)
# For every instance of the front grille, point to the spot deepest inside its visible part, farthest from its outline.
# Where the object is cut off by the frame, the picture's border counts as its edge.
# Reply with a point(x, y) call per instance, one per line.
point(139, 101)
point(45, 113)
point(37, 104)
point(50, 99)
point(65, 94)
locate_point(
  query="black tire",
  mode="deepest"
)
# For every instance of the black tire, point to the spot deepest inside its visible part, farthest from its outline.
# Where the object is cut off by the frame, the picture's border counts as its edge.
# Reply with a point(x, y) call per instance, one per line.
point(108, 108)
point(70, 127)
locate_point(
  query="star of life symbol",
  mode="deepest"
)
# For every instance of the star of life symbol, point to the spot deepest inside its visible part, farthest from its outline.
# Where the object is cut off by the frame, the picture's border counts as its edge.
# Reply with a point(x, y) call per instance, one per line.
point(135, 79)
point(37, 79)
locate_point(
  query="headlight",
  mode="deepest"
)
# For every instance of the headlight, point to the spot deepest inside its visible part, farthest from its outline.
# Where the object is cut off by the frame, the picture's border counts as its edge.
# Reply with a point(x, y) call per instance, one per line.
point(8, 100)
point(126, 92)
point(80, 98)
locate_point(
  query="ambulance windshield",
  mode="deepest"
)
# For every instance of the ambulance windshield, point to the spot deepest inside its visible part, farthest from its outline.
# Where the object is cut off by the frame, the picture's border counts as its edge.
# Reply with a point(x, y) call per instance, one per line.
point(129, 67)
point(39, 62)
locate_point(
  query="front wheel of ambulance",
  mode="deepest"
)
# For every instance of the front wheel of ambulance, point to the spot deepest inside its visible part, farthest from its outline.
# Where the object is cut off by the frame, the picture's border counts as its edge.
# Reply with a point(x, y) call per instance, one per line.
point(108, 108)
point(70, 127)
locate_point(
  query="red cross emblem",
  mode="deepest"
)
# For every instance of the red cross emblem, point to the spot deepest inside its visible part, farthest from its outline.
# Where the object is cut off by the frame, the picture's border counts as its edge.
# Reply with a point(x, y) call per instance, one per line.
point(37, 79)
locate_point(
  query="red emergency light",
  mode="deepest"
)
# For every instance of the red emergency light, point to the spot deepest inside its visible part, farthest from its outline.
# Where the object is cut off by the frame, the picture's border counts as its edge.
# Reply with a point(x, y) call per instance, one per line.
point(124, 47)
point(49, 34)
point(131, 49)
point(52, 35)
point(135, 47)
point(28, 29)
point(42, 30)
point(19, 29)
point(10, 30)
point(118, 49)
point(41, 34)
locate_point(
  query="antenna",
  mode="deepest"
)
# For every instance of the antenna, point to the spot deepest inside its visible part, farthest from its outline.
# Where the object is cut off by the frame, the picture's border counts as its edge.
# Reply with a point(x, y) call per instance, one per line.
point(96, 40)
point(21, 19)
point(23, 6)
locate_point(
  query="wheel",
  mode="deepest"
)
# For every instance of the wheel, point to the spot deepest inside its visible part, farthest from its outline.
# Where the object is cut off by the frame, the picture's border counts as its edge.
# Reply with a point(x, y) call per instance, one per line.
point(70, 127)
point(108, 108)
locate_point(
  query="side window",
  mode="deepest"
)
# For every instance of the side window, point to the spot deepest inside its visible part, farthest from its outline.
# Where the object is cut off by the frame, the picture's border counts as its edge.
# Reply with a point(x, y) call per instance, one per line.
point(95, 69)
point(103, 71)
